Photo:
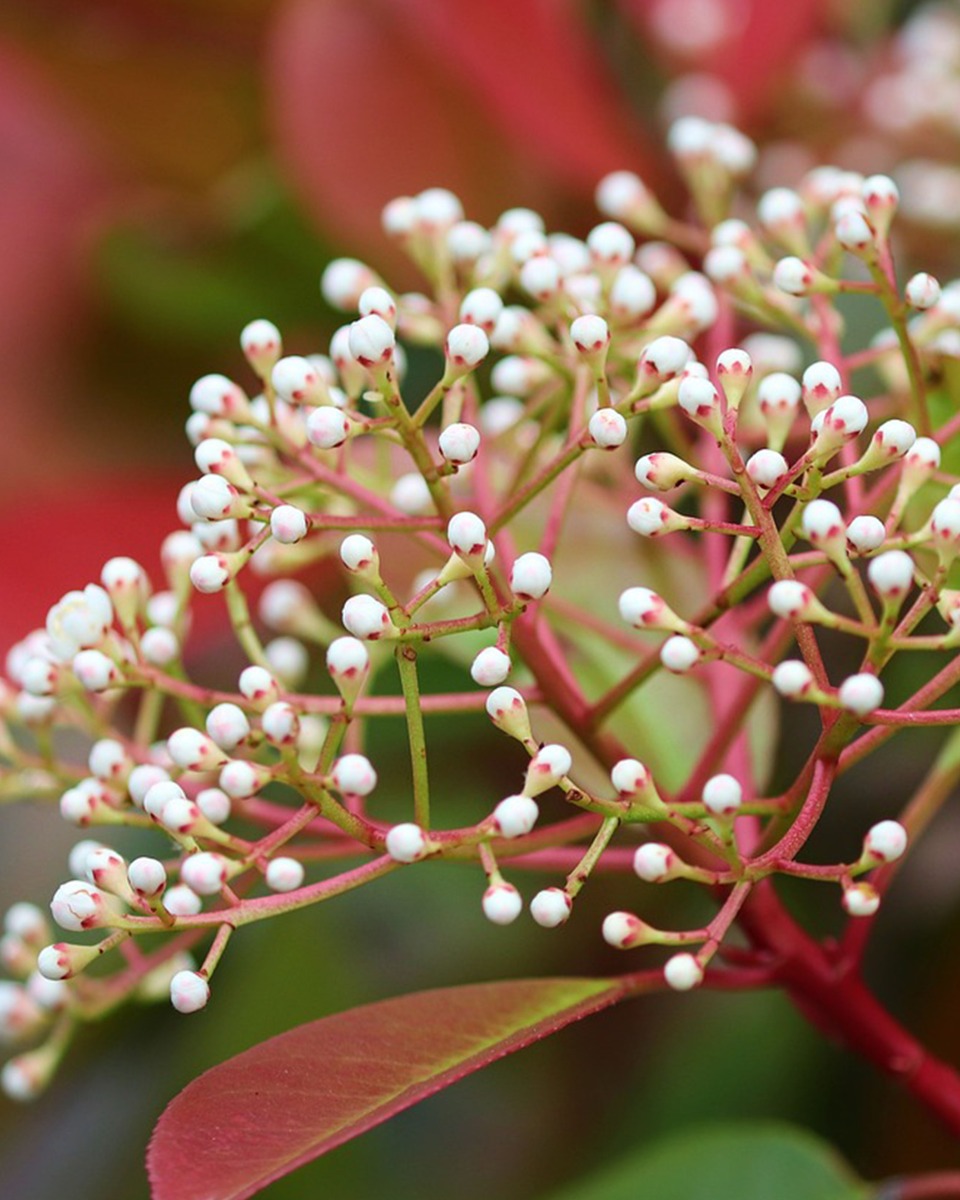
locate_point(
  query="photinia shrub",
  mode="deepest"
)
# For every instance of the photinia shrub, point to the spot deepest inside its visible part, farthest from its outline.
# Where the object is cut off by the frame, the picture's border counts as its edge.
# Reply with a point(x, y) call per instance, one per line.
point(642, 505)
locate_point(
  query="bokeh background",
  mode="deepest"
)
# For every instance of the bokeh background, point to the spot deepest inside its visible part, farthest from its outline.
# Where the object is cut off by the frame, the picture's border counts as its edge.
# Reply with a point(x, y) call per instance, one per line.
point(171, 169)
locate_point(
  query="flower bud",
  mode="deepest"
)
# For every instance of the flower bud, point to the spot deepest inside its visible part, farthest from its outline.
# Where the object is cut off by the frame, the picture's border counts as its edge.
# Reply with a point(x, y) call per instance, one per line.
point(227, 724)
point(366, 618)
point(63, 960)
point(821, 386)
point(865, 533)
point(766, 468)
point(258, 686)
point(239, 780)
point(861, 900)
point(922, 291)
point(610, 244)
point(623, 930)
point(359, 555)
point(644, 609)
point(662, 471)
point(327, 427)
point(481, 307)
point(842, 422)
point(280, 724)
point(194, 751)
point(204, 872)
point(508, 711)
point(792, 678)
point(861, 694)
point(459, 443)
point(531, 576)
point(502, 904)
point(722, 795)
point(284, 874)
point(632, 294)
point(515, 816)
point(652, 518)
point(891, 574)
point(734, 370)
point(885, 842)
point(377, 302)
point(655, 863)
point(490, 667)
point(262, 345)
point(354, 775)
point(181, 901)
point(95, 672)
point(466, 348)
point(551, 907)
point(625, 197)
point(219, 397)
point(343, 282)
point(796, 277)
point(854, 232)
point(147, 877)
point(214, 805)
point(467, 536)
point(211, 573)
point(540, 278)
point(371, 341)
point(289, 524)
point(683, 972)
point(78, 905)
point(607, 428)
point(406, 843)
point(348, 663)
point(547, 767)
point(823, 527)
point(664, 358)
point(189, 992)
point(700, 400)
point(678, 654)
point(591, 336)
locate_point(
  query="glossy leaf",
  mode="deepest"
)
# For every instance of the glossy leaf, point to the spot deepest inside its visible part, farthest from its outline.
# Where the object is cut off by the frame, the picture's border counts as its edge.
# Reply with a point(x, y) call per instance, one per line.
point(744, 1161)
point(260, 1115)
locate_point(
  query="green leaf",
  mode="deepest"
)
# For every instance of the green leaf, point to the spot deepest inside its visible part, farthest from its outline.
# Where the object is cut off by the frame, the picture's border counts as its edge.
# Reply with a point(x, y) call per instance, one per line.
point(755, 1160)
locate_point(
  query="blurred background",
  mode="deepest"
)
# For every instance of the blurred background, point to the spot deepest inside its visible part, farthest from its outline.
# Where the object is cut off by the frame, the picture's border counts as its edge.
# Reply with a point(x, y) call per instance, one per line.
point(171, 169)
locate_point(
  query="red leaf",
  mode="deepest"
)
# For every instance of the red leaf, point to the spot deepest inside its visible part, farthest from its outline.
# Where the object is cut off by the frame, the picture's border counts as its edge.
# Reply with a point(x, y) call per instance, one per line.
point(281, 1104)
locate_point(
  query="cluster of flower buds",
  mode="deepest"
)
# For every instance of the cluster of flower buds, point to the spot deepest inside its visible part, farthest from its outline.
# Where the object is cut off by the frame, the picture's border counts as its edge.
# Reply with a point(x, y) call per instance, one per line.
point(594, 405)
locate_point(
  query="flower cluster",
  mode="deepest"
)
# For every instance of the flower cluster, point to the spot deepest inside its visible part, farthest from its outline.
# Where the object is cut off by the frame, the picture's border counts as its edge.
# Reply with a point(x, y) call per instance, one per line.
point(518, 502)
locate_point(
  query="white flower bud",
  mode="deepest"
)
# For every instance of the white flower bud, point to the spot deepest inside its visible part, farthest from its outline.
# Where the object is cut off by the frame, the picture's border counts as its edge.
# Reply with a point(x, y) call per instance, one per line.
point(214, 805)
point(823, 526)
point(778, 393)
point(159, 795)
point(629, 777)
point(610, 244)
point(861, 900)
point(406, 843)
point(502, 904)
point(781, 209)
point(327, 427)
point(204, 872)
point(821, 386)
point(219, 397)
point(411, 495)
point(459, 443)
point(722, 795)
point(922, 291)
point(95, 671)
point(343, 282)
point(515, 816)
point(531, 576)
point(632, 294)
point(664, 358)
point(621, 929)
point(366, 618)
point(467, 535)
point(621, 194)
point(261, 344)
point(654, 863)
point(159, 646)
point(793, 600)
point(885, 842)
point(376, 301)
point(551, 907)
point(280, 724)
point(181, 901)
point(682, 972)
point(547, 767)
point(652, 518)
point(240, 779)
point(189, 992)
point(945, 524)
point(891, 574)
point(258, 685)
point(78, 905)
point(354, 774)
point(466, 347)
point(467, 242)
point(399, 216)
point(662, 471)
point(865, 533)
point(724, 264)
point(792, 678)
point(490, 667)
point(194, 751)
point(540, 277)
point(852, 230)
point(644, 609)
point(842, 422)
point(698, 398)
point(210, 573)
point(678, 654)
point(861, 694)
point(590, 334)
point(371, 341)
point(284, 874)
point(508, 711)
point(288, 524)
point(794, 276)
point(894, 439)
point(358, 553)
point(607, 428)
point(147, 877)
point(288, 659)
point(766, 468)
point(227, 724)
point(437, 209)
point(214, 498)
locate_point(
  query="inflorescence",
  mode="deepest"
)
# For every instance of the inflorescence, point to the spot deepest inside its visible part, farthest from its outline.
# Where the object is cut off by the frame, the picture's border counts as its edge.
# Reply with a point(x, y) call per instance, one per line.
point(570, 388)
